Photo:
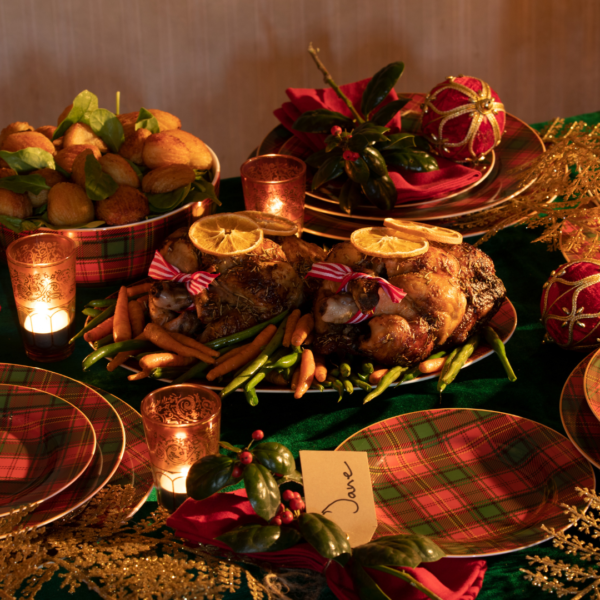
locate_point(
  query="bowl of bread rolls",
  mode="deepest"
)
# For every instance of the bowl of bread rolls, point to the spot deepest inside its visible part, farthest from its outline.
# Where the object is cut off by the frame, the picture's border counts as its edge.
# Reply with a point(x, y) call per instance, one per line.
point(118, 184)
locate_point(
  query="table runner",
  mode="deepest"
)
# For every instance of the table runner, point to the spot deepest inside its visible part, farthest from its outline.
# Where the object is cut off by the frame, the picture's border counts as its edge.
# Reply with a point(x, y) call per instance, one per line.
point(318, 422)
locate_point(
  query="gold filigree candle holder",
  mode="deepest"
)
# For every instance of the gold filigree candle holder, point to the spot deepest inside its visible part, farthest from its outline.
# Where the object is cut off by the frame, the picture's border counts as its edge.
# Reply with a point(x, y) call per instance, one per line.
point(182, 424)
point(275, 184)
point(42, 272)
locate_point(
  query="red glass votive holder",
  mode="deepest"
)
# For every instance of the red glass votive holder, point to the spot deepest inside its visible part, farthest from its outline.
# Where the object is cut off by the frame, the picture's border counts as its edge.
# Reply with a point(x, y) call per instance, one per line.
point(275, 184)
point(42, 272)
point(182, 424)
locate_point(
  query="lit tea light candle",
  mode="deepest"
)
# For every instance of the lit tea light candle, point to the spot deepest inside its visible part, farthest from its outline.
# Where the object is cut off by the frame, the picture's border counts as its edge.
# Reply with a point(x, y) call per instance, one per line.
point(43, 321)
point(172, 490)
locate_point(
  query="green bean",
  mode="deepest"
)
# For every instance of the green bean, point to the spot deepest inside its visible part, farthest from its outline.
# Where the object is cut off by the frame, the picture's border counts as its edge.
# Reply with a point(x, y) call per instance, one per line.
point(366, 368)
point(459, 361)
point(315, 385)
point(492, 338)
point(251, 396)
point(103, 303)
point(289, 360)
point(196, 371)
point(339, 386)
point(446, 368)
point(348, 385)
point(327, 384)
point(358, 382)
point(113, 350)
point(363, 376)
point(254, 381)
point(91, 312)
point(109, 312)
point(257, 363)
point(392, 375)
point(334, 372)
point(345, 370)
point(107, 339)
point(251, 332)
point(166, 372)
point(411, 374)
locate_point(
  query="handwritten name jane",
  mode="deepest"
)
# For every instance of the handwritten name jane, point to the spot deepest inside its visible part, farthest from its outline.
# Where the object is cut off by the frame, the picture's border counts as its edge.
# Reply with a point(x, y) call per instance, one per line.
point(350, 493)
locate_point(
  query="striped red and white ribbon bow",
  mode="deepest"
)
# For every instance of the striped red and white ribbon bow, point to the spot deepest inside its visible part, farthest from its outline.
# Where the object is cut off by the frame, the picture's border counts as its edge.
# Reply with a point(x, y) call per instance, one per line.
point(194, 282)
point(344, 275)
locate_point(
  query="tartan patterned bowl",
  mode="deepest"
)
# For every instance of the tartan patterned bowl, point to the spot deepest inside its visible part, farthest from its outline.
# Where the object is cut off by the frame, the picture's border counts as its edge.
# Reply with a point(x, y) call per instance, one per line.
point(110, 255)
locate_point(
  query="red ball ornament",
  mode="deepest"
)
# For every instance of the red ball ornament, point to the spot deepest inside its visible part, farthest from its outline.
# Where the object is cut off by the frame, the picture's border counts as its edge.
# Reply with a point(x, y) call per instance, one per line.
point(571, 305)
point(463, 118)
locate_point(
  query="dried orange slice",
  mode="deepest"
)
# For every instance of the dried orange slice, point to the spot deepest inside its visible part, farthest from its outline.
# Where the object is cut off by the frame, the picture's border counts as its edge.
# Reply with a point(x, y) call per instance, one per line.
point(387, 243)
point(433, 233)
point(226, 234)
point(271, 224)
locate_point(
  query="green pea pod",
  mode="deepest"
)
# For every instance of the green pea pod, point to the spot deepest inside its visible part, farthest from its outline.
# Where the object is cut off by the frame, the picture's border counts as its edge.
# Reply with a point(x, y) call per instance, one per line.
point(102, 303)
point(251, 332)
point(357, 170)
point(375, 161)
point(91, 312)
point(351, 197)
point(262, 490)
point(334, 372)
point(348, 385)
point(457, 364)
point(114, 349)
point(362, 377)
point(166, 373)
point(258, 363)
point(358, 382)
point(109, 312)
point(411, 374)
point(254, 381)
point(491, 337)
point(196, 371)
point(327, 384)
point(345, 370)
point(446, 367)
point(381, 192)
point(392, 375)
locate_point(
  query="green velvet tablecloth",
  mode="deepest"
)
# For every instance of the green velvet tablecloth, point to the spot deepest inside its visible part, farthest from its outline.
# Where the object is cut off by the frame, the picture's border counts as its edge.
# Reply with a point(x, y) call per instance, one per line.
point(318, 422)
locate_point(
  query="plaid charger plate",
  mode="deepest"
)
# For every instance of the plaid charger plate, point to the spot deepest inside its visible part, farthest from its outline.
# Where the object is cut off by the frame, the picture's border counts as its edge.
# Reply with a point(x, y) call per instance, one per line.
point(45, 445)
point(591, 383)
point(580, 423)
point(477, 482)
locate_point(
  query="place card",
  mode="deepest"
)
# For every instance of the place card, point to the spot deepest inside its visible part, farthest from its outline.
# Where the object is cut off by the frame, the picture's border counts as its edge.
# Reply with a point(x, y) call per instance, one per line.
point(338, 486)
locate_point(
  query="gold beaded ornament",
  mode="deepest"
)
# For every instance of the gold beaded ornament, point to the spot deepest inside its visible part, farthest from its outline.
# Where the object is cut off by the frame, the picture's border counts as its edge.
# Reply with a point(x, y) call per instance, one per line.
point(482, 106)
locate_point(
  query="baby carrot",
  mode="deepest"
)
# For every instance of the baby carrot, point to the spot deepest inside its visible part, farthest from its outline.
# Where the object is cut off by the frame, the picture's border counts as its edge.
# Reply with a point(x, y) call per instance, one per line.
point(186, 340)
point(320, 368)
point(99, 331)
point(121, 324)
point(290, 326)
point(307, 373)
point(229, 354)
point(140, 288)
point(432, 365)
point(163, 339)
point(164, 359)
point(376, 376)
point(136, 317)
point(303, 328)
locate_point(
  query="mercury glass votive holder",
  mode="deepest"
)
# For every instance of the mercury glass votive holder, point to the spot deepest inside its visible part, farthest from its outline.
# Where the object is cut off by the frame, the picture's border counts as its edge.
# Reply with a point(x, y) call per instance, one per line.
point(182, 424)
point(275, 184)
point(42, 272)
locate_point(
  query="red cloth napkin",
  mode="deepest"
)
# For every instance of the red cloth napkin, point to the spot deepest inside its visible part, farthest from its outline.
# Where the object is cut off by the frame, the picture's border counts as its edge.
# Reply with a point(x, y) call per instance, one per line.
point(451, 177)
point(202, 521)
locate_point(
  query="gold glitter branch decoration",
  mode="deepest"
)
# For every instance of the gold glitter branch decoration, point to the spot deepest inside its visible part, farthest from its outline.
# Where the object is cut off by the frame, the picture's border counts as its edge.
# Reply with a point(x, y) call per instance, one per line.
point(549, 572)
point(120, 560)
point(570, 170)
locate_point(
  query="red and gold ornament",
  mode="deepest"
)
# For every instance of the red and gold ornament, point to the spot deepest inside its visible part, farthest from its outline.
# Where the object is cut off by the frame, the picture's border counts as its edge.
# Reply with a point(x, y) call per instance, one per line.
point(570, 305)
point(463, 118)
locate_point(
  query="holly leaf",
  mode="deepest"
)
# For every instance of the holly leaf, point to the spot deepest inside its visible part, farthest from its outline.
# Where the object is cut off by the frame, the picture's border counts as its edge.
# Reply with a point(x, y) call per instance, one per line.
point(295, 477)
point(333, 167)
point(260, 538)
point(375, 161)
point(106, 126)
point(208, 475)
point(360, 141)
point(98, 184)
point(398, 551)
point(146, 120)
point(365, 586)
point(317, 159)
point(83, 105)
point(398, 140)
point(325, 537)
point(321, 120)
point(262, 490)
point(381, 192)
point(411, 159)
point(386, 113)
point(276, 457)
point(28, 159)
point(350, 197)
point(357, 170)
point(380, 86)
point(21, 184)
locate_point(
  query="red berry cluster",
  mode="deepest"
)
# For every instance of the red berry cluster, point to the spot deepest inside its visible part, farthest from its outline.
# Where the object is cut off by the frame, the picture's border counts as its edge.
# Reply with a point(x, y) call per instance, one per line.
point(336, 130)
point(351, 156)
point(246, 457)
point(284, 515)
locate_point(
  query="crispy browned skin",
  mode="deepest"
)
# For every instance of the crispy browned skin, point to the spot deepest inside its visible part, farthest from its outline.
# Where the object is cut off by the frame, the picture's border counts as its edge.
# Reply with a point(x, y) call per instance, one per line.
point(126, 205)
point(179, 251)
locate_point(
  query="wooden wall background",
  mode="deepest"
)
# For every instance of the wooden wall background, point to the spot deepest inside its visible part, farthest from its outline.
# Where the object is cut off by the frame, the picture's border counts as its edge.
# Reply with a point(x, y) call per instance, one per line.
point(223, 65)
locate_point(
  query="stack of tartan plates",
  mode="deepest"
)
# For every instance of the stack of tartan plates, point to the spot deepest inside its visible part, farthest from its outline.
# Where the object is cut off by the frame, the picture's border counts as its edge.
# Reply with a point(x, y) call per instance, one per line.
point(499, 182)
point(61, 442)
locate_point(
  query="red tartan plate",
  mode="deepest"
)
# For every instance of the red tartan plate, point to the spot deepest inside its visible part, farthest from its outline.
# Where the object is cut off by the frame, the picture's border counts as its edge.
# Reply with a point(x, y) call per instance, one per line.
point(110, 438)
point(591, 383)
point(477, 482)
point(582, 427)
point(504, 322)
point(45, 445)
